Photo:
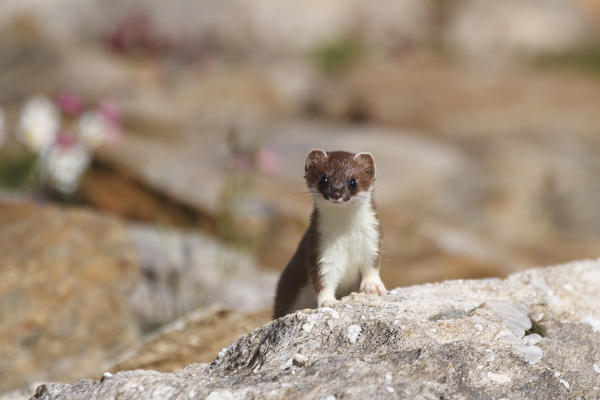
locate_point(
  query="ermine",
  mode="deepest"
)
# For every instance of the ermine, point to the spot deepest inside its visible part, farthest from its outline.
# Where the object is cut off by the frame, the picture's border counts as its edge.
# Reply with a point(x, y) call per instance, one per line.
point(340, 251)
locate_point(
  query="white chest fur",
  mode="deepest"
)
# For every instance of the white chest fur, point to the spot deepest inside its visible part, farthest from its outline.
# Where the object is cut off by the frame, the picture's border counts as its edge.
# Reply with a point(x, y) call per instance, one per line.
point(349, 243)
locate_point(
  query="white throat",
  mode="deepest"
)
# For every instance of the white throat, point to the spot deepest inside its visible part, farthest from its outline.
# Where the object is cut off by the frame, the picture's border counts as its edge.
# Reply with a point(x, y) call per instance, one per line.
point(356, 211)
point(349, 241)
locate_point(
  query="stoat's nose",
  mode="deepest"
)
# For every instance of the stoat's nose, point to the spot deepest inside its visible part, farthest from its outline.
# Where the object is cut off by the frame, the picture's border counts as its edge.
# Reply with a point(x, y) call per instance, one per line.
point(336, 193)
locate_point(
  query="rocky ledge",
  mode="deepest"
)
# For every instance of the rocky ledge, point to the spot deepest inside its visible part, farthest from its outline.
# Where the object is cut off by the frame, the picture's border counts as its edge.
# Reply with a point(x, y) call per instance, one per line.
point(535, 334)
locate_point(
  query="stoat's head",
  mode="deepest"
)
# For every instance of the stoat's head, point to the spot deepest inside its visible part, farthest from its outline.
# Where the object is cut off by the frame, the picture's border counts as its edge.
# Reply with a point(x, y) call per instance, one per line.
point(339, 177)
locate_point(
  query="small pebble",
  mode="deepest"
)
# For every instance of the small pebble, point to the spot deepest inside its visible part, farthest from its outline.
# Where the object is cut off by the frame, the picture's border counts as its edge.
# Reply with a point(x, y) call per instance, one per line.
point(568, 287)
point(299, 360)
point(353, 333)
point(308, 326)
point(107, 375)
point(334, 314)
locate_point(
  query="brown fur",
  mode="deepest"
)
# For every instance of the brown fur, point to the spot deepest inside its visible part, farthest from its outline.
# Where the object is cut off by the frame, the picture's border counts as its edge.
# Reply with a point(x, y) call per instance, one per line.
point(338, 167)
point(295, 274)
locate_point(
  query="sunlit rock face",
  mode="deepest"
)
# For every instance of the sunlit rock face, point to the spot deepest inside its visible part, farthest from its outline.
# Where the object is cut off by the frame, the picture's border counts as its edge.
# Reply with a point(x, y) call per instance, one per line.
point(534, 332)
point(67, 275)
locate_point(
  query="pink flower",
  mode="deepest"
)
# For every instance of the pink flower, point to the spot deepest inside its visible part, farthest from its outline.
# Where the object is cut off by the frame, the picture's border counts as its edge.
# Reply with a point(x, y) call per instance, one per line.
point(112, 117)
point(268, 161)
point(69, 103)
point(65, 139)
point(110, 112)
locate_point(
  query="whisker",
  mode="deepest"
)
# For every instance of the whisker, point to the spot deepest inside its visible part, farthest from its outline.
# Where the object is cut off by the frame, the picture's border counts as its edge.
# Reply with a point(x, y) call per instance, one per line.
point(305, 198)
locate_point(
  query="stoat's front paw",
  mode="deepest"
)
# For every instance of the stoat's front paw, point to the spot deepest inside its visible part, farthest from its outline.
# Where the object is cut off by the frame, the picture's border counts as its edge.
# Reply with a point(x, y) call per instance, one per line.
point(328, 302)
point(372, 285)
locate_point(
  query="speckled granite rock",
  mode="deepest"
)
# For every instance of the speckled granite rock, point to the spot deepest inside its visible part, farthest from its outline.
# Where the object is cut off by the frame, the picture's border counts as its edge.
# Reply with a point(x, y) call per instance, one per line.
point(535, 333)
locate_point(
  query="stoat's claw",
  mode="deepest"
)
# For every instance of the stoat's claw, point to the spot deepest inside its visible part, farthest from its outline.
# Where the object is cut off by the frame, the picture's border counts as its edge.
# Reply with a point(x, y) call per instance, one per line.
point(328, 303)
point(372, 286)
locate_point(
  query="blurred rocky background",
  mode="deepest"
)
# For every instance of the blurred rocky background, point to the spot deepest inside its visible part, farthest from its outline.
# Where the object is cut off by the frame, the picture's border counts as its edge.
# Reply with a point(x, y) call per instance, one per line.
point(151, 158)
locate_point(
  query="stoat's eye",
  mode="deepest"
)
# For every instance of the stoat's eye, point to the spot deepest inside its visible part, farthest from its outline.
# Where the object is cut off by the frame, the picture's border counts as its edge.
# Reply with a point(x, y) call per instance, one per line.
point(323, 180)
point(352, 183)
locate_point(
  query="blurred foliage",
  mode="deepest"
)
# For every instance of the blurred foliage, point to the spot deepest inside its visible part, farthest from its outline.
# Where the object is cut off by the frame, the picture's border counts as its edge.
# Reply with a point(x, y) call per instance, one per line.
point(587, 61)
point(17, 170)
point(339, 54)
point(240, 178)
point(227, 226)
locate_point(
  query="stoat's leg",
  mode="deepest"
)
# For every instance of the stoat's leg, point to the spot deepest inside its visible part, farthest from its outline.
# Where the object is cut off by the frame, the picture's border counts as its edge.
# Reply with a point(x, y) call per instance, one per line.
point(370, 280)
point(326, 298)
point(325, 279)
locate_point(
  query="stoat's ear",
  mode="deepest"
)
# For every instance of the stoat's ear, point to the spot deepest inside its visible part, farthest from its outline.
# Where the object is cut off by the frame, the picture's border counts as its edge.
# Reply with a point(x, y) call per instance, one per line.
point(366, 163)
point(314, 157)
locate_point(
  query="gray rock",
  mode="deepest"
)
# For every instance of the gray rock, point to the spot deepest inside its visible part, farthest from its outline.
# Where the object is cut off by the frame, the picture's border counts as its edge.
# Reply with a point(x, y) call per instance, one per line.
point(277, 27)
point(482, 31)
point(182, 271)
point(21, 394)
point(194, 338)
point(201, 177)
point(431, 341)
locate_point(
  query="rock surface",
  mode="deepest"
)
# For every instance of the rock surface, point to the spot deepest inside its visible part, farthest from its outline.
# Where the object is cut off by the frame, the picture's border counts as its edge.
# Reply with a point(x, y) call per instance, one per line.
point(484, 31)
point(196, 337)
point(71, 278)
point(182, 271)
point(21, 394)
point(66, 279)
point(290, 27)
point(535, 332)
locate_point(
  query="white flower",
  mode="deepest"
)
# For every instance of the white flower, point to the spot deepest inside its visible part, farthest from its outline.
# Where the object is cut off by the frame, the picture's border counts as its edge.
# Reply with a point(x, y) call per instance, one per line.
point(64, 165)
point(93, 129)
point(2, 128)
point(39, 124)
